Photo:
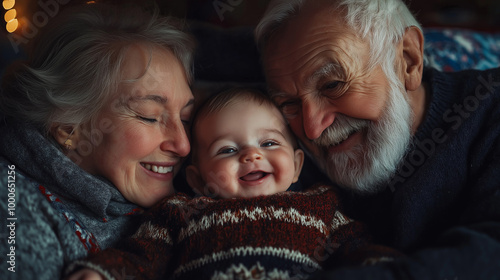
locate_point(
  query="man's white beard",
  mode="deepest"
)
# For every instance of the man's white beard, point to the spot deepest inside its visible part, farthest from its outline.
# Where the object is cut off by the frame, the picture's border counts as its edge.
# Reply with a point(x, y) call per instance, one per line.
point(365, 167)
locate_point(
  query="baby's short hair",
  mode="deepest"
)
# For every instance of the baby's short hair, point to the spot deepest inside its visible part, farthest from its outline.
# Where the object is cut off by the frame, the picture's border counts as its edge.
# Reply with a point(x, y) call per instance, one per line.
point(217, 102)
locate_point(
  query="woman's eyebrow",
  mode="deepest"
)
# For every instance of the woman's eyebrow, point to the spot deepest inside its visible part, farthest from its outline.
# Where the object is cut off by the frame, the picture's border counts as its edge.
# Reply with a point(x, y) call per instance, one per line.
point(151, 97)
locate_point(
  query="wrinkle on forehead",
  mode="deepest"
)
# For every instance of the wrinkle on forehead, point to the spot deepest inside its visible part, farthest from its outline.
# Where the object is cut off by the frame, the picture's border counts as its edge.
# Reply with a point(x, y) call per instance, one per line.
point(299, 58)
point(340, 58)
point(303, 46)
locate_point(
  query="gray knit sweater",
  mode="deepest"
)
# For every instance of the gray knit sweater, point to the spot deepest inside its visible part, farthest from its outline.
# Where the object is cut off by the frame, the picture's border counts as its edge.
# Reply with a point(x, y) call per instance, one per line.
point(51, 211)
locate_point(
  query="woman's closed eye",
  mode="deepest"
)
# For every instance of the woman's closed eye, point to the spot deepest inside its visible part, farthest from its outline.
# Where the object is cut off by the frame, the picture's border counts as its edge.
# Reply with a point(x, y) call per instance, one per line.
point(148, 120)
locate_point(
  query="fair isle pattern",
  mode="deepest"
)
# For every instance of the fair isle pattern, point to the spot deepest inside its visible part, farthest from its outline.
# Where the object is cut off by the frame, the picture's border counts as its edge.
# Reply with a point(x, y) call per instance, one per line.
point(256, 272)
point(290, 235)
point(339, 220)
point(282, 253)
point(260, 213)
point(148, 230)
point(312, 192)
point(202, 200)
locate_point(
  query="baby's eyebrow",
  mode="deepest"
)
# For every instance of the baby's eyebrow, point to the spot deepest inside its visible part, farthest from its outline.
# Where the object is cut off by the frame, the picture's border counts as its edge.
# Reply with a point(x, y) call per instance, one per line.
point(263, 131)
point(214, 141)
point(274, 131)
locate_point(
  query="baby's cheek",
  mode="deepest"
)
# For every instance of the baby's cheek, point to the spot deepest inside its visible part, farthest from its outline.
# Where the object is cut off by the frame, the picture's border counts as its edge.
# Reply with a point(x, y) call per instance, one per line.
point(285, 166)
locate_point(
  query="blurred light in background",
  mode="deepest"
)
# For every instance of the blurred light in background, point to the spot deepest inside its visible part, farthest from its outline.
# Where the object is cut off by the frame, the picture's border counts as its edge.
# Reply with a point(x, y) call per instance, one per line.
point(10, 15)
point(12, 25)
point(8, 4)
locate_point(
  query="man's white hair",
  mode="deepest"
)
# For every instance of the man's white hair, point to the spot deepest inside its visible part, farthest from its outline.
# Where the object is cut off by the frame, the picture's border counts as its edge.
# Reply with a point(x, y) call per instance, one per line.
point(381, 22)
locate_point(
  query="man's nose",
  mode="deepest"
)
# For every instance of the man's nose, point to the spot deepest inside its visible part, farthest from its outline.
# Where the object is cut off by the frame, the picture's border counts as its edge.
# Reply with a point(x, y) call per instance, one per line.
point(315, 119)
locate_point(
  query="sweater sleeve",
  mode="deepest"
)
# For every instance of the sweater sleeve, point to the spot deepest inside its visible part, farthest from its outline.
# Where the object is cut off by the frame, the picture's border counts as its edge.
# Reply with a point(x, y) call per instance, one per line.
point(350, 243)
point(36, 241)
point(145, 255)
point(470, 250)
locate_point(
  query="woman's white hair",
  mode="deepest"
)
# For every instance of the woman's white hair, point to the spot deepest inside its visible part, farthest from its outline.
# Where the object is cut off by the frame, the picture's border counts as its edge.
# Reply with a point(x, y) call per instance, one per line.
point(75, 65)
point(381, 22)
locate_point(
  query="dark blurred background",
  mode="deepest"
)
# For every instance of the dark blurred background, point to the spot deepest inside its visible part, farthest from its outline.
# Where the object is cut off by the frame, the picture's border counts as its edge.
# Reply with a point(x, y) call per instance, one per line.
point(32, 15)
point(477, 14)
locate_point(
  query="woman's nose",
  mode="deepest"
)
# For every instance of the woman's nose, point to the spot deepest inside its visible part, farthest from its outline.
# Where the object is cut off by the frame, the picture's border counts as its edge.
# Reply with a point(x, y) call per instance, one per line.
point(176, 140)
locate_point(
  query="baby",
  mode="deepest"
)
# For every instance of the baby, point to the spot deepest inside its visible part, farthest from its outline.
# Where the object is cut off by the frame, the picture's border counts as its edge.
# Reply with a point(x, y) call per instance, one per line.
point(245, 224)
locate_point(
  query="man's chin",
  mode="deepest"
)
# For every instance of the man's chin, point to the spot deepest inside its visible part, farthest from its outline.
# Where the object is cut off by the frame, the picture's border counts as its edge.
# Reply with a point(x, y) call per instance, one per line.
point(358, 185)
point(354, 172)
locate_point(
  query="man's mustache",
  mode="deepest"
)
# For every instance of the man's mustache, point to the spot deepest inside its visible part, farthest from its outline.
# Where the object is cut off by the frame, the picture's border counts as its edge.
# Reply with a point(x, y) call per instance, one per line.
point(341, 128)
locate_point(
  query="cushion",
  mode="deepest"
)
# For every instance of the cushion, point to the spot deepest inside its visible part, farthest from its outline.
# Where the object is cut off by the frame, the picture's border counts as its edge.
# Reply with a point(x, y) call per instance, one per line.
point(448, 49)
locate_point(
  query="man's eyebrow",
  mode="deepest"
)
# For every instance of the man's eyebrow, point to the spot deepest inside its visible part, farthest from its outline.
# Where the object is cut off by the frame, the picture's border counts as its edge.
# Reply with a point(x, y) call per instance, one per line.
point(328, 69)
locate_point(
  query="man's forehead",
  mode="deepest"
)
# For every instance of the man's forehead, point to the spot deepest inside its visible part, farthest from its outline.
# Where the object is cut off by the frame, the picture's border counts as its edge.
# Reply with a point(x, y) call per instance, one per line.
point(311, 17)
point(307, 31)
point(328, 54)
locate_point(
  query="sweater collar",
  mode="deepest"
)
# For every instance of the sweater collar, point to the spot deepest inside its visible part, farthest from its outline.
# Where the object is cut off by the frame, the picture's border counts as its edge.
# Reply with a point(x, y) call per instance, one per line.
point(37, 157)
point(439, 85)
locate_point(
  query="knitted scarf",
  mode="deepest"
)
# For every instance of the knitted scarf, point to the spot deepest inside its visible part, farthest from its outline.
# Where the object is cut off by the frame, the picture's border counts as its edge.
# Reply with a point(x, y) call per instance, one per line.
point(34, 155)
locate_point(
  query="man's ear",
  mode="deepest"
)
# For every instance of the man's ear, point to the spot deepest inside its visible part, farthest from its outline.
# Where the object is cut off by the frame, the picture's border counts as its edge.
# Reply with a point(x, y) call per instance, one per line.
point(298, 163)
point(66, 135)
point(413, 54)
point(194, 179)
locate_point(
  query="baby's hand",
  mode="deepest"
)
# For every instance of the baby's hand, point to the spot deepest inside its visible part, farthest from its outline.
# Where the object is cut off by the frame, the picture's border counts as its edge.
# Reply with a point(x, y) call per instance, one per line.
point(86, 274)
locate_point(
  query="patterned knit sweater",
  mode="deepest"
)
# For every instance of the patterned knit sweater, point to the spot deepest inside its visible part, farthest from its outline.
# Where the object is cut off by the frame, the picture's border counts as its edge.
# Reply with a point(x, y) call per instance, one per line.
point(282, 236)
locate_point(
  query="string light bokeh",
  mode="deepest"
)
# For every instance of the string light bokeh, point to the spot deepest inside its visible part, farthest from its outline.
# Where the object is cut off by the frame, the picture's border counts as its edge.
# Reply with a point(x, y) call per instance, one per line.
point(10, 15)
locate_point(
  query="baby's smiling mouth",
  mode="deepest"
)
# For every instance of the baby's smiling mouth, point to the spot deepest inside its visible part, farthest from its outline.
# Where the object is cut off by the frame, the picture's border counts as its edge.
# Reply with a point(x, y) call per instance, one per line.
point(254, 176)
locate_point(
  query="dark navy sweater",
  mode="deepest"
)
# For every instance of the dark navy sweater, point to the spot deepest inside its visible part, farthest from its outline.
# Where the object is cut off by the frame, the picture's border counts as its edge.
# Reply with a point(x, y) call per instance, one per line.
point(442, 208)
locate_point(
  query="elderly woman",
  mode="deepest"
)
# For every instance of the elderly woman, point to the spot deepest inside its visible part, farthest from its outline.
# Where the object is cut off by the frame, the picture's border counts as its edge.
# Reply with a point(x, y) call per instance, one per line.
point(92, 131)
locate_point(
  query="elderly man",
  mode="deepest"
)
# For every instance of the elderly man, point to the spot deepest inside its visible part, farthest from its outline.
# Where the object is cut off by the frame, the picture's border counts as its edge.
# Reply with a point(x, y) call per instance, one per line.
point(416, 151)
